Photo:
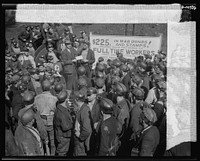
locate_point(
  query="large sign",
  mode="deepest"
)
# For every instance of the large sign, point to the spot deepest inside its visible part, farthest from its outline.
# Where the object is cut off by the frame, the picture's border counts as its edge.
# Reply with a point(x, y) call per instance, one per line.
point(106, 46)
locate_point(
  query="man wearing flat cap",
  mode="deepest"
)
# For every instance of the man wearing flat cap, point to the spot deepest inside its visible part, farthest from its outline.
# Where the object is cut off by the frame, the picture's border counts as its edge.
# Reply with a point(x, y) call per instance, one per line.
point(150, 135)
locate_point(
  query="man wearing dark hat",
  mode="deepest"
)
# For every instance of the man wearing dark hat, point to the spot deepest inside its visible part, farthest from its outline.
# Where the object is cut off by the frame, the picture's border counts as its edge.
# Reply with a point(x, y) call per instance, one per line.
point(150, 135)
point(122, 108)
point(121, 112)
point(26, 80)
point(83, 129)
point(67, 35)
point(76, 47)
point(46, 105)
point(52, 36)
point(63, 124)
point(126, 78)
point(93, 104)
point(111, 94)
point(88, 58)
point(100, 86)
point(84, 37)
point(36, 36)
point(108, 129)
point(24, 36)
point(52, 52)
point(69, 70)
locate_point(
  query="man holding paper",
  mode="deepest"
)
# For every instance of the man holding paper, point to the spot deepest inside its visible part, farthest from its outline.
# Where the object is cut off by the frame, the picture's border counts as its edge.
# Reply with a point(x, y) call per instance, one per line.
point(69, 70)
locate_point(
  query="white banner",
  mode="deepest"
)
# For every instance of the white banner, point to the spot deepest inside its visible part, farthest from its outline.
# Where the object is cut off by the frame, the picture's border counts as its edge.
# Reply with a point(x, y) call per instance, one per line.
point(106, 46)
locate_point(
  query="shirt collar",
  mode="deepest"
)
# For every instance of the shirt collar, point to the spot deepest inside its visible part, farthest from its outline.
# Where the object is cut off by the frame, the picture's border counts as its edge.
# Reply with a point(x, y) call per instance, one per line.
point(145, 129)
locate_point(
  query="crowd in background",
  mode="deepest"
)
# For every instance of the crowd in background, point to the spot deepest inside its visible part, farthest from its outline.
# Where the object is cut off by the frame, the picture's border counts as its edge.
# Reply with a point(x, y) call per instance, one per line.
point(58, 105)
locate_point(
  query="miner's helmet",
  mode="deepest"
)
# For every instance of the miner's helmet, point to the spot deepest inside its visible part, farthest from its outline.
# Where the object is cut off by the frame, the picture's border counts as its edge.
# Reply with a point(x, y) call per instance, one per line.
point(91, 90)
point(76, 40)
point(124, 68)
point(66, 29)
point(22, 88)
point(8, 69)
point(117, 63)
point(58, 88)
point(32, 71)
point(100, 59)
point(138, 93)
point(100, 67)
point(62, 96)
point(143, 65)
point(156, 78)
point(82, 81)
point(28, 97)
point(79, 96)
point(99, 82)
point(137, 79)
point(25, 79)
point(27, 116)
point(16, 71)
point(120, 89)
point(148, 115)
point(106, 105)
point(161, 85)
point(115, 79)
point(81, 70)
point(14, 57)
point(99, 75)
point(46, 85)
point(115, 71)
point(15, 78)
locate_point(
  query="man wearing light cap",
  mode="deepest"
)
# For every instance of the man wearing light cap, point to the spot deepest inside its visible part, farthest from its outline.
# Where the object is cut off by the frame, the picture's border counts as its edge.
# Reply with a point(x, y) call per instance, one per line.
point(150, 135)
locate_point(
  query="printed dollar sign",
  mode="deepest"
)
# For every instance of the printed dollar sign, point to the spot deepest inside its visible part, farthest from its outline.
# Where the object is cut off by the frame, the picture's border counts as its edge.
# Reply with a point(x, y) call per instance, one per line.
point(94, 41)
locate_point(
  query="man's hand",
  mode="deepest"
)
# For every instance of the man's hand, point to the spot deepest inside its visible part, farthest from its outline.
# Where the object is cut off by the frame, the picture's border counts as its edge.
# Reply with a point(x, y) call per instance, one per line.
point(95, 124)
point(85, 60)
point(74, 60)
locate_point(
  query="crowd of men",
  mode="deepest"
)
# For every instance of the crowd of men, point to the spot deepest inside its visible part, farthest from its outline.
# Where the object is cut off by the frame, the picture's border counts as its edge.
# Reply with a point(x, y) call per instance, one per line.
point(60, 105)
